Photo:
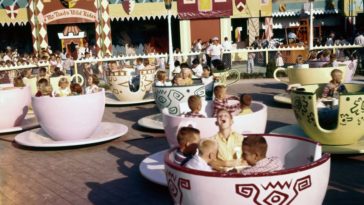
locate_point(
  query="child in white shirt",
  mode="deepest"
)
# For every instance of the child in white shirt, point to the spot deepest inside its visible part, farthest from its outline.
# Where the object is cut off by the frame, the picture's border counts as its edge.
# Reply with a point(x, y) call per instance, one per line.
point(92, 82)
point(162, 79)
point(207, 150)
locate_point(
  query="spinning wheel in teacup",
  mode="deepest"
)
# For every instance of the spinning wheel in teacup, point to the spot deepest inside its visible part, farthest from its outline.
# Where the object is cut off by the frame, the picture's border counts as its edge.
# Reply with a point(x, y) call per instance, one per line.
point(120, 85)
point(338, 127)
point(14, 105)
point(228, 77)
point(298, 76)
point(70, 121)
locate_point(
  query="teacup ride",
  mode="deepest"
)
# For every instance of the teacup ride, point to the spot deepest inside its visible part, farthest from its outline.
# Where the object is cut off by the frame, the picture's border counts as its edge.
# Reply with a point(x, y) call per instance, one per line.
point(304, 76)
point(70, 121)
point(344, 134)
point(152, 167)
point(170, 97)
point(14, 106)
point(305, 178)
point(121, 93)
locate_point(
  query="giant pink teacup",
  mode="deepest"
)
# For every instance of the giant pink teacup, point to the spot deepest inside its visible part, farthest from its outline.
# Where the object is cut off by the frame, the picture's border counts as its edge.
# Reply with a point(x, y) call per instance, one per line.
point(70, 118)
point(14, 104)
point(250, 123)
point(303, 181)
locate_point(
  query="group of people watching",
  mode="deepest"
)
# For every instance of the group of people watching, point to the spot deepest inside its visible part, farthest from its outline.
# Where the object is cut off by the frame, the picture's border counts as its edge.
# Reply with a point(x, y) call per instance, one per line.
point(213, 51)
point(227, 151)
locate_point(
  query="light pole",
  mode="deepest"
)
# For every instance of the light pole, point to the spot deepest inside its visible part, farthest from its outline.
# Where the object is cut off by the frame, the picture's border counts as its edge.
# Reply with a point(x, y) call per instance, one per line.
point(311, 25)
point(168, 5)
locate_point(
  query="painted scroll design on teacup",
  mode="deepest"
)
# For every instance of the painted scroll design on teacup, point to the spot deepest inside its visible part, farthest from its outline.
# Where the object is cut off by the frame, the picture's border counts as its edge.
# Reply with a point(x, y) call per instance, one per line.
point(201, 91)
point(300, 104)
point(356, 114)
point(147, 78)
point(122, 84)
point(282, 193)
point(176, 185)
point(175, 97)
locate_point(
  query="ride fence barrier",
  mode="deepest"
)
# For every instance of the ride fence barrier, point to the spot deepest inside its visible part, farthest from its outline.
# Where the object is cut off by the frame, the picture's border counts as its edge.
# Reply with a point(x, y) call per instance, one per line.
point(240, 58)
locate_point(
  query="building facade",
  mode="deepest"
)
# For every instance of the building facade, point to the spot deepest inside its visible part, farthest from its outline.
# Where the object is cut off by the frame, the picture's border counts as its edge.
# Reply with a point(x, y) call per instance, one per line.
point(107, 22)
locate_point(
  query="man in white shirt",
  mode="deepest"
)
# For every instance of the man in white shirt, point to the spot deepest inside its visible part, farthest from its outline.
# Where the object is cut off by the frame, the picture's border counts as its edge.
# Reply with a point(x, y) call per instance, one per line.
point(215, 51)
point(226, 58)
point(207, 150)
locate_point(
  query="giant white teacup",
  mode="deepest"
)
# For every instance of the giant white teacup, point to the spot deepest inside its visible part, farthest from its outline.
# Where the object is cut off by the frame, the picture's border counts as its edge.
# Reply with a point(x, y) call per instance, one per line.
point(14, 104)
point(304, 179)
point(72, 117)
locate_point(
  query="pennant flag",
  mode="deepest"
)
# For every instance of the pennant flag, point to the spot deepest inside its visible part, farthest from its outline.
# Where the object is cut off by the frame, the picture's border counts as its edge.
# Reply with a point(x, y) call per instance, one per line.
point(12, 11)
point(240, 5)
point(128, 6)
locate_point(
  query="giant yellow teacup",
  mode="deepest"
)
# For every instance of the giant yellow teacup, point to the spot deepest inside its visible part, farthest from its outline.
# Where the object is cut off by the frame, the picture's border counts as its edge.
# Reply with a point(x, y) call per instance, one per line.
point(306, 76)
point(350, 124)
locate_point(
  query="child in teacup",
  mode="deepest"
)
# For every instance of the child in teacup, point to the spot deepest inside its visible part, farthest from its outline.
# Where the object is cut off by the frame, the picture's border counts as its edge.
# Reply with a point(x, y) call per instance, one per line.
point(195, 104)
point(245, 102)
point(221, 101)
point(197, 68)
point(187, 76)
point(188, 139)
point(207, 150)
point(327, 104)
point(42, 91)
point(254, 153)
point(64, 89)
point(229, 142)
point(18, 82)
point(162, 79)
point(335, 86)
point(178, 80)
point(76, 89)
point(92, 82)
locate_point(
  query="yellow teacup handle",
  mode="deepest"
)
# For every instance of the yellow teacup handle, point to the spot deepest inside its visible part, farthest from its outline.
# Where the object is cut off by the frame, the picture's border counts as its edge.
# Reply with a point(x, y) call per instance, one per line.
point(78, 76)
point(280, 69)
point(230, 72)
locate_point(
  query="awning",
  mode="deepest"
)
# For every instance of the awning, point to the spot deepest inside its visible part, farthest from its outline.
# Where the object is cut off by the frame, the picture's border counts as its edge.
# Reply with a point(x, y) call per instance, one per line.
point(299, 12)
point(21, 17)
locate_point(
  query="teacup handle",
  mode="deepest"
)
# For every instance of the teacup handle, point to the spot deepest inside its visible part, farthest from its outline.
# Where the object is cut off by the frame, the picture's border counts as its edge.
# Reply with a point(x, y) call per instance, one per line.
point(230, 72)
point(280, 69)
point(78, 76)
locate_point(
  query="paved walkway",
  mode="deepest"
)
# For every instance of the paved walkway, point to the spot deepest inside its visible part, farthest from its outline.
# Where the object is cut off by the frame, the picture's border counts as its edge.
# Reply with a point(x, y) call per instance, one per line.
point(108, 173)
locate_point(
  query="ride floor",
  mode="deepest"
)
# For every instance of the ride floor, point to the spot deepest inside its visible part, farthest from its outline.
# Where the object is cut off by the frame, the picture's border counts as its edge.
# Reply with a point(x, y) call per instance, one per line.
point(108, 173)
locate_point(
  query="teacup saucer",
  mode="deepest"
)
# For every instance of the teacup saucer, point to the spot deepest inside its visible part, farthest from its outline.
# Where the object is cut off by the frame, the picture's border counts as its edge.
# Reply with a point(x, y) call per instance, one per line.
point(284, 98)
point(296, 130)
point(112, 100)
point(29, 122)
point(38, 138)
point(152, 168)
point(154, 122)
